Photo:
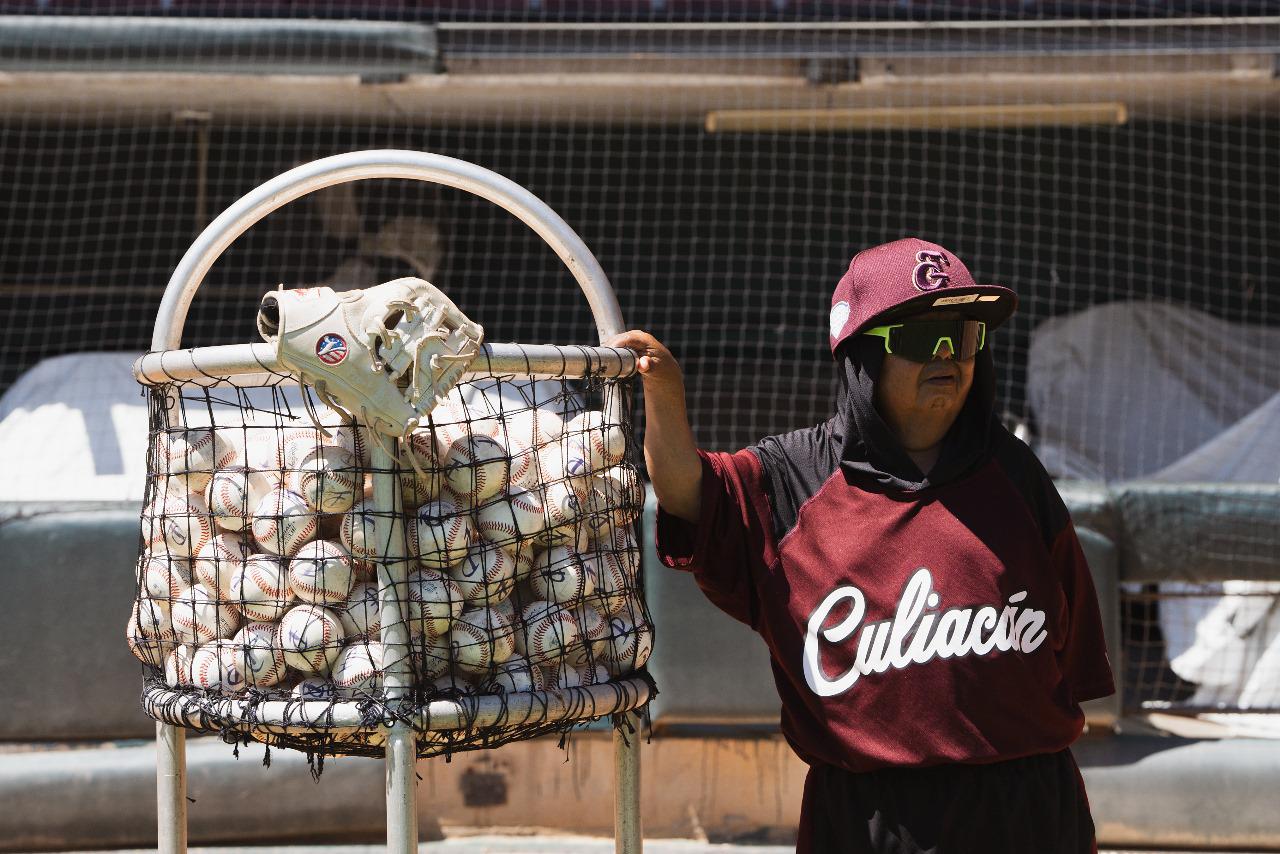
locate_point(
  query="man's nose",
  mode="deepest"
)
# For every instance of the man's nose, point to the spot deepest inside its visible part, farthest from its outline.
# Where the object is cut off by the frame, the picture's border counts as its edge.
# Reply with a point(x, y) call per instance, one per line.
point(944, 350)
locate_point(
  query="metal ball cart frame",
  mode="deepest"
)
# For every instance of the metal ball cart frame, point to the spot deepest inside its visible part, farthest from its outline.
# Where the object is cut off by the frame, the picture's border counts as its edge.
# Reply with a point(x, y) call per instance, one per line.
point(251, 364)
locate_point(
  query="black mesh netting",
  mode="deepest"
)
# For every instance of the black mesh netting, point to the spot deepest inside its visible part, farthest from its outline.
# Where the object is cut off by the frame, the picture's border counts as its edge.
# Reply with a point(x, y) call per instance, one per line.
point(269, 577)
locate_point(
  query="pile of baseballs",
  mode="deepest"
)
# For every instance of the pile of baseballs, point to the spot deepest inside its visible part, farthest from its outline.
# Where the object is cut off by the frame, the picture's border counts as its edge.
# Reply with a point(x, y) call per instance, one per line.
point(261, 544)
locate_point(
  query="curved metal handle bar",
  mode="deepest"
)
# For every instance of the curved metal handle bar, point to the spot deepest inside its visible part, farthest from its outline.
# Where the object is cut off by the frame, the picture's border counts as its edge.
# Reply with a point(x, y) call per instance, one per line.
point(390, 163)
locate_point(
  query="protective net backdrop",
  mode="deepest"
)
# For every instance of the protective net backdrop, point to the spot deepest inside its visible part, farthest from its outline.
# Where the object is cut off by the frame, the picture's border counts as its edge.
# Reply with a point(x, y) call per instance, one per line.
point(725, 243)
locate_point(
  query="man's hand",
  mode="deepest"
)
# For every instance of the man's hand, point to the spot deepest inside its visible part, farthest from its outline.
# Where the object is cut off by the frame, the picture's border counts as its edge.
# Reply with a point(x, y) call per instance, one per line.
point(670, 452)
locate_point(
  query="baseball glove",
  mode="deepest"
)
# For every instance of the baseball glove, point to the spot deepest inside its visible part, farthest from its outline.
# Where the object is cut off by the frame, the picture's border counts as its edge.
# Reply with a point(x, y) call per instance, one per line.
point(386, 354)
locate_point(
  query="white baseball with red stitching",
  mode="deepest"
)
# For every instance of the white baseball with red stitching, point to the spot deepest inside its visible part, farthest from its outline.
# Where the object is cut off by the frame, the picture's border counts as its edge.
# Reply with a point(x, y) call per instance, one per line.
point(177, 667)
point(359, 531)
point(321, 573)
point(283, 522)
point(198, 617)
point(149, 632)
point(311, 637)
point(360, 613)
point(568, 675)
point(479, 639)
point(611, 582)
point(233, 494)
point(443, 531)
point(164, 576)
point(628, 646)
point(487, 574)
point(256, 650)
point(546, 632)
point(605, 442)
point(432, 601)
point(359, 666)
point(185, 524)
point(476, 468)
point(218, 561)
point(593, 631)
point(327, 479)
point(560, 576)
point(260, 588)
point(509, 520)
point(189, 455)
point(516, 675)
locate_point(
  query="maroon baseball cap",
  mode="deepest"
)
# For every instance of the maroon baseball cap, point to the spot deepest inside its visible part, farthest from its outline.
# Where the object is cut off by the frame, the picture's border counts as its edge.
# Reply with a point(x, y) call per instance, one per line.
point(906, 277)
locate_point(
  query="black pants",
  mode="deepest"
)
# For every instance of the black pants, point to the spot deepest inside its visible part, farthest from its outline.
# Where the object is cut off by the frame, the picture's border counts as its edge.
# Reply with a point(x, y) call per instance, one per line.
point(1034, 805)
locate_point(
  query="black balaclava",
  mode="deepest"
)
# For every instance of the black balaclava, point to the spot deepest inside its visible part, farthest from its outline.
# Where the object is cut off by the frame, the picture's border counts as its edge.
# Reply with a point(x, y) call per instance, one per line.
point(869, 450)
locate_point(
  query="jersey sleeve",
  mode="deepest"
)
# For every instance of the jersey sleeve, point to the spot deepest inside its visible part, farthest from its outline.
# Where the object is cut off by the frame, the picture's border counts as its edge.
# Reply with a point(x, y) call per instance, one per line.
point(730, 546)
point(1083, 657)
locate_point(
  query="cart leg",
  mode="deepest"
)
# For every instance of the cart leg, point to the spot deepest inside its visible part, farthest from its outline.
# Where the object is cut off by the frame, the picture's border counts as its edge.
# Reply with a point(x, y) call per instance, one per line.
point(171, 789)
point(627, 835)
point(402, 779)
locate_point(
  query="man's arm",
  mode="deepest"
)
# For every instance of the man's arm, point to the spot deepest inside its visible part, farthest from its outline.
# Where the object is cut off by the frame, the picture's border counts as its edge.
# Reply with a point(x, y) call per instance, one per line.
point(670, 452)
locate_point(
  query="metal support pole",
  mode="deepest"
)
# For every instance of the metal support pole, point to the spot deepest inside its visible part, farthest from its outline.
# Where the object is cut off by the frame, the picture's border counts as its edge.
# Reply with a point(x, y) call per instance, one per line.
point(171, 789)
point(397, 679)
point(628, 837)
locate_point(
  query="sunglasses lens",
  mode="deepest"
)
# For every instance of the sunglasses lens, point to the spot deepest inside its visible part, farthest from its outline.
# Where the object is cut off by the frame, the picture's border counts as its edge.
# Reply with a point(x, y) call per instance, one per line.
point(922, 340)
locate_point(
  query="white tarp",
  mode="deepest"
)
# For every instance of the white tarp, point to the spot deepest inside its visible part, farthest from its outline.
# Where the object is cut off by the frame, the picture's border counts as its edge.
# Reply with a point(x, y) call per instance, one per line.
point(1123, 390)
point(1159, 392)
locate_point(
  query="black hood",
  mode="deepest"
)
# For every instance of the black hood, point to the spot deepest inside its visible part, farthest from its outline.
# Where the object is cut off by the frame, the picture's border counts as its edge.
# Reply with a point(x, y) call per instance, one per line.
point(867, 447)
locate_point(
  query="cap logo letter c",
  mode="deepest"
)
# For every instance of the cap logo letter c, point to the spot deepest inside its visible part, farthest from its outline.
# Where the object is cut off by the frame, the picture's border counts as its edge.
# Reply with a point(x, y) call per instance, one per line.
point(927, 275)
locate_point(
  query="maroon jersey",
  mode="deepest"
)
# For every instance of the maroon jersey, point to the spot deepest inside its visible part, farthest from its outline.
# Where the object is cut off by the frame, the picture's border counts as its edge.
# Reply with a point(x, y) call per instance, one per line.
point(952, 624)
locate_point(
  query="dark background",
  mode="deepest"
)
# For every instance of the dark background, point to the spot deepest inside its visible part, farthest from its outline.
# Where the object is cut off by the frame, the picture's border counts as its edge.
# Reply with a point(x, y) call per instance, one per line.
point(725, 246)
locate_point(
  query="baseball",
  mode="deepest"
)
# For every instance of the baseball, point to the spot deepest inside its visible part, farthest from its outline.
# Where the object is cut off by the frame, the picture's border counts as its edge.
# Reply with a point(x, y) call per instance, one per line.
point(612, 585)
point(487, 574)
point(199, 618)
point(430, 657)
point(509, 520)
point(535, 427)
point(442, 531)
point(260, 588)
point(356, 440)
point(594, 637)
point(189, 455)
point(314, 688)
point(218, 561)
point(149, 633)
point(359, 531)
point(618, 491)
point(479, 639)
point(419, 488)
point(214, 666)
point(256, 651)
point(359, 613)
point(233, 494)
point(282, 522)
point(177, 667)
point(229, 447)
point(297, 442)
point(476, 468)
point(566, 675)
point(516, 675)
point(310, 637)
point(560, 576)
point(452, 683)
point(320, 573)
point(524, 463)
point(263, 452)
point(628, 645)
point(545, 631)
point(327, 479)
point(433, 601)
point(164, 577)
point(185, 524)
point(606, 443)
point(563, 510)
point(359, 666)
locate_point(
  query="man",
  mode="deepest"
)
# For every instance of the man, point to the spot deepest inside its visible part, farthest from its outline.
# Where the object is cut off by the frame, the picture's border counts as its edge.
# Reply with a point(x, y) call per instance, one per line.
point(931, 621)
